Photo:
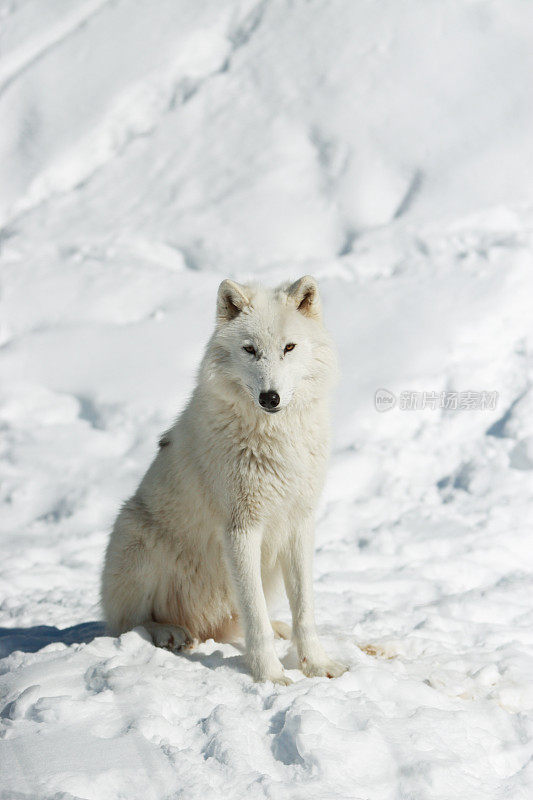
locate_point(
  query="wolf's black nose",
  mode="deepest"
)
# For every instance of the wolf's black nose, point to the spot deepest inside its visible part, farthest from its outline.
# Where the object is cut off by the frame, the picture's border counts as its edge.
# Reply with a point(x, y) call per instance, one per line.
point(269, 400)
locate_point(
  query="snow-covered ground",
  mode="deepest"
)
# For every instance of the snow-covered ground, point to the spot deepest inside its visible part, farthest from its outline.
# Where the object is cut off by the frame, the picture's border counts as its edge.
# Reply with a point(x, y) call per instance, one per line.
point(147, 150)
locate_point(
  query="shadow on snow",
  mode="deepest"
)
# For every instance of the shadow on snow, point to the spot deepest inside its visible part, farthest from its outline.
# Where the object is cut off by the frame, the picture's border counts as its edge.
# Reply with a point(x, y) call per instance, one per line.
point(30, 640)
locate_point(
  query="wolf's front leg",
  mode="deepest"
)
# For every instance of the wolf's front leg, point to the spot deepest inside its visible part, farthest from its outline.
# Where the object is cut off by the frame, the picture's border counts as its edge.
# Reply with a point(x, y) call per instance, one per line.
point(243, 549)
point(297, 565)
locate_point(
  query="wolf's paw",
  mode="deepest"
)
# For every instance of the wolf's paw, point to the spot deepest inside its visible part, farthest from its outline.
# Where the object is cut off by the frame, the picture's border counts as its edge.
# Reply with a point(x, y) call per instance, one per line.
point(281, 680)
point(281, 629)
point(171, 637)
point(268, 668)
point(322, 668)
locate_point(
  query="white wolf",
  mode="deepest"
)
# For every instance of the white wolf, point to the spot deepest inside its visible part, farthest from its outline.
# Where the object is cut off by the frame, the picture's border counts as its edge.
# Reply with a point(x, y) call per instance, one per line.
point(227, 506)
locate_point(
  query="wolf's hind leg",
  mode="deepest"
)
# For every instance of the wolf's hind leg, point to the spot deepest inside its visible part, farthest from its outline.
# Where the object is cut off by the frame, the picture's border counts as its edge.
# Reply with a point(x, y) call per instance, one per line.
point(281, 629)
point(232, 629)
point(169, 637)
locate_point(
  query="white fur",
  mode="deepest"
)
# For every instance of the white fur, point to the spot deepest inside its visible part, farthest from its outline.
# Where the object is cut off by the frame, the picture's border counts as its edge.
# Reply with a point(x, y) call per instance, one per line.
point(226, 508)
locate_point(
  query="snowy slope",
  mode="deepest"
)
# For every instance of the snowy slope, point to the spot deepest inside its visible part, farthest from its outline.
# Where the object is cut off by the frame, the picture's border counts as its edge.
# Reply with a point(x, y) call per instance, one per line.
point(147, 150)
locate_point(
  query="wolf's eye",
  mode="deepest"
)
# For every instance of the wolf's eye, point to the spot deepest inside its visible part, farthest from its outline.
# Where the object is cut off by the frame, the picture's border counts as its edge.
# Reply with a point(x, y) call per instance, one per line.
point(249, 349)
point(289, 347)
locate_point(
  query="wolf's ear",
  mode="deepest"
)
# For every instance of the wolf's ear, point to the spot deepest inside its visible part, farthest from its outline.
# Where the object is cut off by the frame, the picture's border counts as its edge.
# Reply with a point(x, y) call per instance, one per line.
point(231, 300)
point(304, 293)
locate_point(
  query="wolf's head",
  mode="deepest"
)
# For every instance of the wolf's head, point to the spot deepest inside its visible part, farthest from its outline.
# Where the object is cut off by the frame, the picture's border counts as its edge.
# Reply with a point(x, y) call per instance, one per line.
point(270, 348)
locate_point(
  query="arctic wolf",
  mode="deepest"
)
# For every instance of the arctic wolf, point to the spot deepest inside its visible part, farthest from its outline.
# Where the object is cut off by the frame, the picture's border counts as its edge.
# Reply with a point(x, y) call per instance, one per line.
point(226, 508)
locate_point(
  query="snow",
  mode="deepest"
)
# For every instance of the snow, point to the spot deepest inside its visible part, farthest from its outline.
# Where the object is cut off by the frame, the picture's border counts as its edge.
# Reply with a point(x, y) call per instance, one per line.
point(146, 152)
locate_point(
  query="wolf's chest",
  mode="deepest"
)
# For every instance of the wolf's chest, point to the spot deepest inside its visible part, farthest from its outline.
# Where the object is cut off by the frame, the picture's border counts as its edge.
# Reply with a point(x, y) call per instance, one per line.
point(274, 473)
point(255, 464)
